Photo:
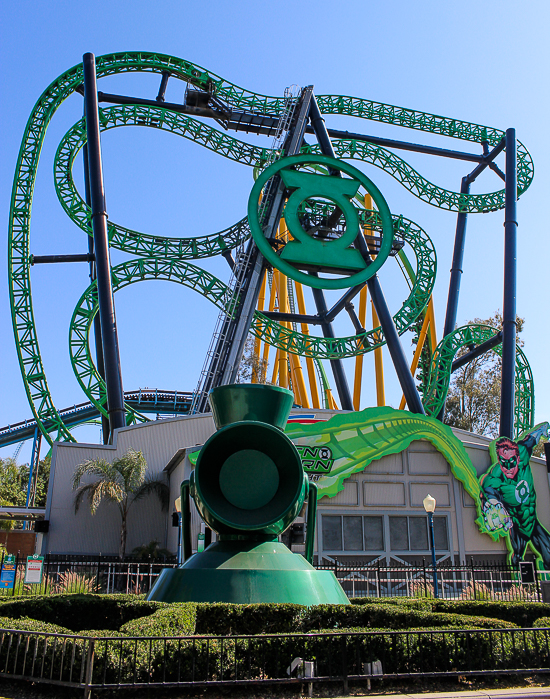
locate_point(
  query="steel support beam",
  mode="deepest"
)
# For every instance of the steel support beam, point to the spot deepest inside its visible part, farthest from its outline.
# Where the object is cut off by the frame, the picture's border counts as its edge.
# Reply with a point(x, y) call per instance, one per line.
point(456, 267)
point(252, 289)
point(509, 329)
point(100, 364)
point(293, 317)
point(477, 351)
point(340, 380)
point(52, 259)
point(111, 354)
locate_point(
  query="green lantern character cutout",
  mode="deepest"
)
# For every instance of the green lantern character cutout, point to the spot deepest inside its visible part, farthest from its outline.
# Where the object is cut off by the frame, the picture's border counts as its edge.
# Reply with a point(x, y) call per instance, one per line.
point(508, 497)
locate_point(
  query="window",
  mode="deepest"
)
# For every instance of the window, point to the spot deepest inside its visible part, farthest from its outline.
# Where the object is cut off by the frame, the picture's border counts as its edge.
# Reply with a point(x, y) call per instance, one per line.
point(374, 533)
point(399, 535)
point(352, 533)
point(411, 534)
point(418, 533)
point(332, 533)
point(366, 533)
point(440, 534)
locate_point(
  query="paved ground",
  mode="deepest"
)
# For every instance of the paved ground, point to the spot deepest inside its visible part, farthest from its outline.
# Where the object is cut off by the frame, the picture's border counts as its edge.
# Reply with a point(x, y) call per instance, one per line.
point(527, 688)
point(533, 693)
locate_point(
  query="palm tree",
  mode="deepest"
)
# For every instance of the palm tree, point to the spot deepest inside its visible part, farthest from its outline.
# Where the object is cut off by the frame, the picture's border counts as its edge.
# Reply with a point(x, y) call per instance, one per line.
point(123, 482)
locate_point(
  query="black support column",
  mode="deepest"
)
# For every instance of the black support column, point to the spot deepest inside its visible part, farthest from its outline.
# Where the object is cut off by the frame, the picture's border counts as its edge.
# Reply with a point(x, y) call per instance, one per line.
point(93, 276)
point(111, 354)
point(509, 330)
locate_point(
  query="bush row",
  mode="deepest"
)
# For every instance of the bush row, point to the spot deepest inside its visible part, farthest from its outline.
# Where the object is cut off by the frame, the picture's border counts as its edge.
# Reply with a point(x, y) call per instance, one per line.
point(395, 617)
point(134, 616)
point(80, 612)
point(235, 658)
point(523, 614)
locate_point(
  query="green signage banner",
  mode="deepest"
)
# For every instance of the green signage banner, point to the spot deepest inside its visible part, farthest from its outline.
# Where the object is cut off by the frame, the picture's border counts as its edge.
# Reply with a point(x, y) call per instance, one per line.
point(332, 451)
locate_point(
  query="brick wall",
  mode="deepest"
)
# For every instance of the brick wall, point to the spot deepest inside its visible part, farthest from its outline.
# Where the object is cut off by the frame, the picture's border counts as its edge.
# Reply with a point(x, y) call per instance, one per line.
point(18, 542)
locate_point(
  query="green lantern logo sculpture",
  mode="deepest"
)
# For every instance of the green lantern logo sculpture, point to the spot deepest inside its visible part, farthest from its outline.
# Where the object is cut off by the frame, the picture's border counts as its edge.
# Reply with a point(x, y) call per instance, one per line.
point(249, 486)
point(314, 253)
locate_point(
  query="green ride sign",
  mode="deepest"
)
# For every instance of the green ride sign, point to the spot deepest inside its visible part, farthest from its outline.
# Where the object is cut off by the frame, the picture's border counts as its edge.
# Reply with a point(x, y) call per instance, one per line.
point(333, 255)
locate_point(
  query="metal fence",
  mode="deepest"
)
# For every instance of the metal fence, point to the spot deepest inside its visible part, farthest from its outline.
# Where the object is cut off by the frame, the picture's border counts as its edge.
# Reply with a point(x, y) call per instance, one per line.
point(117, 663)
point(475, 581)
point(102, 574)
point(108, 575)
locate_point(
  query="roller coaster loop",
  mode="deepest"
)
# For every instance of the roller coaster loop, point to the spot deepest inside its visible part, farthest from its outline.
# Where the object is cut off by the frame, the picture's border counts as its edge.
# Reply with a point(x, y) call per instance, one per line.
point(157, 249)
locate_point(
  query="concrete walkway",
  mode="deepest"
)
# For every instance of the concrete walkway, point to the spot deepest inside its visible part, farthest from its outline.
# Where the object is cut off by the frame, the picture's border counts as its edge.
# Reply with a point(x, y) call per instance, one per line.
point(530, 693)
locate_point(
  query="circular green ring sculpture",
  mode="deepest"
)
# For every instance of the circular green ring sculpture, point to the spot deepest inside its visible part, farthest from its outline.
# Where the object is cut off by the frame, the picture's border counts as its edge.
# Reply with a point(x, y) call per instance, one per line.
point(289, 269)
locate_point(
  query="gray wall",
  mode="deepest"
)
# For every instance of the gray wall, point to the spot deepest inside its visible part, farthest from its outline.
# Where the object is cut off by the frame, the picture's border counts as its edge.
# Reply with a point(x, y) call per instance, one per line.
point(82, 533)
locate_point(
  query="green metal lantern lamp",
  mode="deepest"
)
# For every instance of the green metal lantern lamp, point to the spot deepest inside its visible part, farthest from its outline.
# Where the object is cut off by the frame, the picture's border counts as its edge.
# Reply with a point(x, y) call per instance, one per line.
point(249, 486)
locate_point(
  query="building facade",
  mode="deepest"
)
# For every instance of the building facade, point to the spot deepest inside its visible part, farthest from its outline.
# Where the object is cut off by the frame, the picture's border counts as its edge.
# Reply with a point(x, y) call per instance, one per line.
point(378, 515)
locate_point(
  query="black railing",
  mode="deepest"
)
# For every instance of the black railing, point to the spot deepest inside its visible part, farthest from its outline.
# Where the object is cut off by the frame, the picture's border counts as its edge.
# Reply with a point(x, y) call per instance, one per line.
point(111, 663)
point(108, 575)
point(99, 574)
point(478, 581)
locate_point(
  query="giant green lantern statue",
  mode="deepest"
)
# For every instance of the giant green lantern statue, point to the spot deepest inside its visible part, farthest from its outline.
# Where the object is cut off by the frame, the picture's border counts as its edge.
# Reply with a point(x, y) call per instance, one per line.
point(249, 486)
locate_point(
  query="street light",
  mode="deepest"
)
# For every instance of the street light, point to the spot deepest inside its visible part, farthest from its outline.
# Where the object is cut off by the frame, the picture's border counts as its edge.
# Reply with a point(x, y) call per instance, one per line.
point(429, 506)
point(177, 505)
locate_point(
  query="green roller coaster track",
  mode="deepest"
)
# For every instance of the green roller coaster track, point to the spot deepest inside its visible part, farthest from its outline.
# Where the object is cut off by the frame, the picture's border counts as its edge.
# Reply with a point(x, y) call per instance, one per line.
point(161, 248)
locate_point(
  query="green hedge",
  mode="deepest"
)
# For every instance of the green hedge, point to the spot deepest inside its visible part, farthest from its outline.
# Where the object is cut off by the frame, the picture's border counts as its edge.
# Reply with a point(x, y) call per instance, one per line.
point(231, 657)
point(80, 612)
point(542, 623)
point(524, 614)
point(243, 619)
point(173, 620)
point(415, 602)
point(17, 652)
point(26, 624)
point(395, 617)
point(234, 658)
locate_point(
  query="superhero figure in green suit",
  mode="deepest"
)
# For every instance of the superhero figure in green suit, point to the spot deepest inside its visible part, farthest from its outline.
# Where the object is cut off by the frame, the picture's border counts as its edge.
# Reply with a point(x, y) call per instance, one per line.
point(509, 499)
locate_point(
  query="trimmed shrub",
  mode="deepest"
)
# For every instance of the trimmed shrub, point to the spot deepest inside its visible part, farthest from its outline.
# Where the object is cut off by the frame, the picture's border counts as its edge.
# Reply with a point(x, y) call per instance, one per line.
point(50, 655)
point(522, 614)
point(334, 616)
point(248, 619)
point(26, 624)
point(173, 620)
point(542, 623)
point(80, 612)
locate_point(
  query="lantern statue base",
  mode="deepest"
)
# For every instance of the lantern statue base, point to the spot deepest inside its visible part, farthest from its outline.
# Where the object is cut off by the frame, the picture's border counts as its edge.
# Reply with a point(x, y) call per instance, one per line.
point(247, 572)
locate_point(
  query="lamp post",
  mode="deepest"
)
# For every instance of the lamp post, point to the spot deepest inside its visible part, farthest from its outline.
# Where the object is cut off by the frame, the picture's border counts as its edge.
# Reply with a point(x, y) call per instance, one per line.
point(429, 506)
point(177, 505)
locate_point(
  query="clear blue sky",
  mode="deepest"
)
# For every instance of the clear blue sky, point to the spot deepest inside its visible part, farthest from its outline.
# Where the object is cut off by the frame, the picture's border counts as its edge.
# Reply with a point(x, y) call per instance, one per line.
point(485, 62)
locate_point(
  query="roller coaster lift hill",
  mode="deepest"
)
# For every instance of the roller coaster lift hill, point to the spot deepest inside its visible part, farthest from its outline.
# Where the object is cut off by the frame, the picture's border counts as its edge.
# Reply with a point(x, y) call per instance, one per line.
point(313, 219)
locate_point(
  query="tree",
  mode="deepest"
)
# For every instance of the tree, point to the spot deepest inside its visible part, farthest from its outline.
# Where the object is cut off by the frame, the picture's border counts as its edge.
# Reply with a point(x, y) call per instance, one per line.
point(251, 366)
point(12, 488)
point(150, 551)
point(122, 482)
point(14, 483)
point(473, 400)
